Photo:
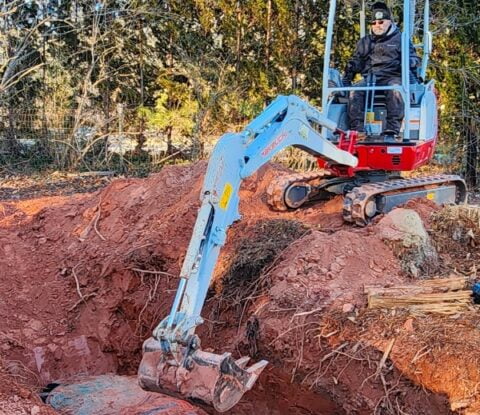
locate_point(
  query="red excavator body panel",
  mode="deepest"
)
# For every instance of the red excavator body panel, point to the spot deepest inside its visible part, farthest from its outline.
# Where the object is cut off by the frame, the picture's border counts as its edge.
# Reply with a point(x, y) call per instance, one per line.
point(382, 156)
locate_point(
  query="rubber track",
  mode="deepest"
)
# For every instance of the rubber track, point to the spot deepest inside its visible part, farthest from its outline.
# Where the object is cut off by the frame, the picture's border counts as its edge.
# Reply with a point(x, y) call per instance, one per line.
point(355, 201)
point(276, 189)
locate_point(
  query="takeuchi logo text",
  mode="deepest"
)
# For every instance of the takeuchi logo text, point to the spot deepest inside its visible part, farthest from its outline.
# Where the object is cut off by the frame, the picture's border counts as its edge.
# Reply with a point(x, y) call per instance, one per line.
point(267, 150)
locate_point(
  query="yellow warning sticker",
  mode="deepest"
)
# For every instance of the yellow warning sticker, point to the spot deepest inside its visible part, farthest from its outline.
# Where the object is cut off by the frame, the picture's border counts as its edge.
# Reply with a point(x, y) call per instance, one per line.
point(370, 116)
point(226, 195)
point(431, 195)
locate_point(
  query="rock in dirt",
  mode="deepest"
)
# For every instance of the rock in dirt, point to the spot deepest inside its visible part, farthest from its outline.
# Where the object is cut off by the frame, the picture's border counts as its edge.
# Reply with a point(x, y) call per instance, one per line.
point(348, 308)
point(403, 230)
point(111, 394)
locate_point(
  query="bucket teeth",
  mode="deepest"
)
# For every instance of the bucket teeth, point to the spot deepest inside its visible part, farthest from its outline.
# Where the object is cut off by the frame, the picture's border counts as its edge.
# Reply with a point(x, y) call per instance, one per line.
point(242, 362)
point(255, 370)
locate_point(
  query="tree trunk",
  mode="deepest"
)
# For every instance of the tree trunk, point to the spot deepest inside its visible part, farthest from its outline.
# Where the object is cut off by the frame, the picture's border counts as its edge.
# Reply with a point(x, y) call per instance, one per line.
point(238, 46)
point(168, 132)
point(12, 144)
point(295, 48)
point(268, 36)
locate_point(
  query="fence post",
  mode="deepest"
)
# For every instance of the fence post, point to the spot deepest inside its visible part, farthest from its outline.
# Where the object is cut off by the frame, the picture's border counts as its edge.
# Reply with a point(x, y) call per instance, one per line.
point(120, 114)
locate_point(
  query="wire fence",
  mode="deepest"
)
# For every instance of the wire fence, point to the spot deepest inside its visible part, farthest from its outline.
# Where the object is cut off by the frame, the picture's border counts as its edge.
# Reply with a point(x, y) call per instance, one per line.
point(89, 140)
point(122, 139)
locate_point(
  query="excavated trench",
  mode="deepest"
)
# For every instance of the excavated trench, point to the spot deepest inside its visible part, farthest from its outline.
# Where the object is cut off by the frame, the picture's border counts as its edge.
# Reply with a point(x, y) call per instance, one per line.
point(85, 279)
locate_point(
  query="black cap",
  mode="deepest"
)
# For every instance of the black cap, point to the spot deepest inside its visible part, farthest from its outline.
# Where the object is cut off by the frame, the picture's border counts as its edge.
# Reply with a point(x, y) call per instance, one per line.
point(380, 11)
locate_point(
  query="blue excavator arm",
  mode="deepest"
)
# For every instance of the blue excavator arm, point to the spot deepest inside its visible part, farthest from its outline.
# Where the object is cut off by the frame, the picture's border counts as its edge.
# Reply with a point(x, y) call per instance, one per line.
point(172, 361)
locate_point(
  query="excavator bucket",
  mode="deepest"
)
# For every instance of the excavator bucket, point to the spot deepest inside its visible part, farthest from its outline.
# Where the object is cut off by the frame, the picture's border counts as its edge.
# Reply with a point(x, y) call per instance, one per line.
point(217, 380)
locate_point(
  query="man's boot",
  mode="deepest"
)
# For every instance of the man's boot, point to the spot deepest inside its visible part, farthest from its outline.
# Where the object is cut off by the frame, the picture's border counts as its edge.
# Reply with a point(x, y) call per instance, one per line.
point(361, 136)
point(390, 136)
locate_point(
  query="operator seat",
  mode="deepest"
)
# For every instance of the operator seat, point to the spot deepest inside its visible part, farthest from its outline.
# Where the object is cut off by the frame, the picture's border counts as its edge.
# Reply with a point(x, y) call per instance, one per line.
point(417, 90)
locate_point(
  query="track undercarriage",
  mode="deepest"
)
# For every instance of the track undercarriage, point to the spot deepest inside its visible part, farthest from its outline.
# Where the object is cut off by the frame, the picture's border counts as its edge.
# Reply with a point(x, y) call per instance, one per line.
point(365, 196)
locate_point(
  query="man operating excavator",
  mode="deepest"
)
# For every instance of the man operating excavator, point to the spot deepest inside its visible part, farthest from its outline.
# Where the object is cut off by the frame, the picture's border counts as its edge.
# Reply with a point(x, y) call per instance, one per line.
point(378, 58)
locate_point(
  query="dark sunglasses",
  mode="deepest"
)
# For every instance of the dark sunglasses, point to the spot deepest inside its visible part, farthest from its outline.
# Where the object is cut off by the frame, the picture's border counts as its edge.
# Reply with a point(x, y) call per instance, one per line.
point(381, 22)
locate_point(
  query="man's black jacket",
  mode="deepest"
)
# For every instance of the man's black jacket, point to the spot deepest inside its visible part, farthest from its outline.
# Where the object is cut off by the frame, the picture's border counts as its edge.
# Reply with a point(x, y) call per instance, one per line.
point(379, 55)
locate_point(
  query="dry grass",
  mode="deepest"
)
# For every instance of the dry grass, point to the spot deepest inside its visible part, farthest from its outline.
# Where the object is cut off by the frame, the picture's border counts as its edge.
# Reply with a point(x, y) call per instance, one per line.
point(455, 231)
point(452, 283)
point(461, 222)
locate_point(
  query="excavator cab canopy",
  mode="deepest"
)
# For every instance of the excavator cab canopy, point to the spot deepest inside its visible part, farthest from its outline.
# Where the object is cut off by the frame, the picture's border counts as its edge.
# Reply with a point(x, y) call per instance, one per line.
point(420, 122)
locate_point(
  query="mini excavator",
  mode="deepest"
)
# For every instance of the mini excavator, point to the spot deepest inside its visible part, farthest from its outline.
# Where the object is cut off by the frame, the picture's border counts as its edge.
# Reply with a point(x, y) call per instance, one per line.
point(366, 174)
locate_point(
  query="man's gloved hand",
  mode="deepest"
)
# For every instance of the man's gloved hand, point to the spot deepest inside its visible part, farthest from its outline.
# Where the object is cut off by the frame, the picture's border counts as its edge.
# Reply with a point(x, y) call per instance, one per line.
point(414, 63)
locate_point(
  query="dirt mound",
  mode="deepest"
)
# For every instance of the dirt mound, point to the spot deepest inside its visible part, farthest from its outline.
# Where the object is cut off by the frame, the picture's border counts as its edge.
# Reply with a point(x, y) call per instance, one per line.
point(433, 351)
point(78, 268)
point(86, 278)
point(426, 208)
point(311, 322)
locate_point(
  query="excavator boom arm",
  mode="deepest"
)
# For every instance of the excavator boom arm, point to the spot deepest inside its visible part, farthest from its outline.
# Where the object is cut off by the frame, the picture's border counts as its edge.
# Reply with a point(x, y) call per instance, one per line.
point(287, 121)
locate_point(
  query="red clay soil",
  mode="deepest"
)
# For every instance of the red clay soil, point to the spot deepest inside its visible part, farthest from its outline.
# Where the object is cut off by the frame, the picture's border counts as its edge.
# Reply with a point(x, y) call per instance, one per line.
point(17, 398)
point(85, 278)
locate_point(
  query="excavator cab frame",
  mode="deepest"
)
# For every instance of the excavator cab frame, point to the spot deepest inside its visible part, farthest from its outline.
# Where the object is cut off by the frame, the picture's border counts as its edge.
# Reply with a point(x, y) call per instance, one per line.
point(420, 121)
